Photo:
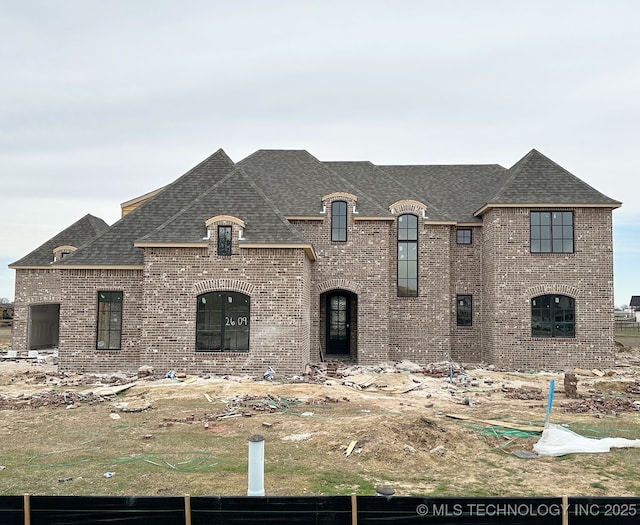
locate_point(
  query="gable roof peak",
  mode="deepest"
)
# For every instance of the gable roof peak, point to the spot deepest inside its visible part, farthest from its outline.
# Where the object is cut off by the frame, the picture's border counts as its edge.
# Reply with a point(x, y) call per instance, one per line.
point(536, 180)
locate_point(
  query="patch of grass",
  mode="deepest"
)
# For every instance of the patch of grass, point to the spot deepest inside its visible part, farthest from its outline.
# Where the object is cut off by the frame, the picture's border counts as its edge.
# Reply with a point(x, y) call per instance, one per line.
point(629, 337)
point(634, 488)
point(442, 489)
point(340, 483)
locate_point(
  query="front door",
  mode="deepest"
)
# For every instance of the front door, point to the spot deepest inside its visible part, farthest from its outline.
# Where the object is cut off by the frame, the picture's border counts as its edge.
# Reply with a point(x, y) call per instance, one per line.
point(338, 321)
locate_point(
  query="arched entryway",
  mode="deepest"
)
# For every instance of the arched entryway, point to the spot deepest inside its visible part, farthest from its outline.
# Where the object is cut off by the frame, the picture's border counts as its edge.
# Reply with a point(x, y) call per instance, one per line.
point(339, 323)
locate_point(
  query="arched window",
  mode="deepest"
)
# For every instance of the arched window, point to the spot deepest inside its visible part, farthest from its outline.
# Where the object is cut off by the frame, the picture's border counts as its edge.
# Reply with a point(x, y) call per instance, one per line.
point(553, 316)
point(338, 221)
point(222, 322)
point(407, 256)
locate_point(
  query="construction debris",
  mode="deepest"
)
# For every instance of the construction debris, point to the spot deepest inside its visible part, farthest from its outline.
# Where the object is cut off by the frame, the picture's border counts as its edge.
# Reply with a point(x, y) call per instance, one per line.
point(350, 448)
point(571, 385)
point(50, 398)
point(523, 392)
point(601, 405)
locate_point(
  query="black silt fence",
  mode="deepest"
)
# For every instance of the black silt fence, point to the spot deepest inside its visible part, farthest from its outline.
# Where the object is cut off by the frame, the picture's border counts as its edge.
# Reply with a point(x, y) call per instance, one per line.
point(338, 510)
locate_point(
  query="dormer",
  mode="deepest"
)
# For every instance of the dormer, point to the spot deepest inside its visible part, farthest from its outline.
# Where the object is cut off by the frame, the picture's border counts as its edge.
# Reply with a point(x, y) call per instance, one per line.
point(60, 252)
point(339, 206)
point(224, 231)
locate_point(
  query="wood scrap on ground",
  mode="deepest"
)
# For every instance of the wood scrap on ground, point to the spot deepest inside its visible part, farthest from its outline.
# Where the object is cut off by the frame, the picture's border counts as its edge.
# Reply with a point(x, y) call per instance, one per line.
point(504, 424)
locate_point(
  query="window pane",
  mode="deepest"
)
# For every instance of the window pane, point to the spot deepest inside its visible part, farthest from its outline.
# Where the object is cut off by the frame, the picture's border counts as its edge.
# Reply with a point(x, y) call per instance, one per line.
point(402, 270)
point(545, 245)
point(412, 269)
point(545, 232)
point(412, 228)
point(545, 218)
point(567, 218)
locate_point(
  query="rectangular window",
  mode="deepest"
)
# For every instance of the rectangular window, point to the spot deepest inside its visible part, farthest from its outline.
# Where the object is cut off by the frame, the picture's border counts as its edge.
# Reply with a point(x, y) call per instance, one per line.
point(464, 310)
point(109, 331)
point(224, 240)
point(338, 221)
point(463, 236)
point(551, 231)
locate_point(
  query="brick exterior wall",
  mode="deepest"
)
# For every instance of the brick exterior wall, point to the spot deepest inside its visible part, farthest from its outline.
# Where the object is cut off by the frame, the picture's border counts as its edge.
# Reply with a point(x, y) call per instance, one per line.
point(466, 279)
point(287, 292)
point(79, 320)
point(32, 287)
point(276, 280)
point(363, 266)
point(513, 276)
point(420, 326)
point(76, 291)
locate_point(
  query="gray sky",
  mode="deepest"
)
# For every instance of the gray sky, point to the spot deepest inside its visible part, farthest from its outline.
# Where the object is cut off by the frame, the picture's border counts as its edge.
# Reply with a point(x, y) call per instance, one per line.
point(102, 101)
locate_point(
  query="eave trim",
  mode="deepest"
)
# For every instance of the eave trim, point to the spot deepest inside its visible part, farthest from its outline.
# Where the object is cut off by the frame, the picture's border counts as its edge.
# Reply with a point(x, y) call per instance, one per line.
point(486, 207)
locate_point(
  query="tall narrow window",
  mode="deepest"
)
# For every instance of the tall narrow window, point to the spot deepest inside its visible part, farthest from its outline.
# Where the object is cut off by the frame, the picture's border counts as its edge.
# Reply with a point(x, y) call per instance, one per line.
point(464, 310)
point(407, 256)
point(222, 322)
point(224, 240)
point(551, 231)
point(109, 331)
point(553, 316)
point(339, 221)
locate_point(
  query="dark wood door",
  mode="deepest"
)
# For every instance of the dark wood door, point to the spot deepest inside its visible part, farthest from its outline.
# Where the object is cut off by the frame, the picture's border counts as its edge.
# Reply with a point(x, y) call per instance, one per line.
point(338, 323)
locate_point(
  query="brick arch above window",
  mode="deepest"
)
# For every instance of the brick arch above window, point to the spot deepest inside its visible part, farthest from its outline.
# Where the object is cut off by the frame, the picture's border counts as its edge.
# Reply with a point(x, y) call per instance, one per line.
point(551, 289)
point(60, 251)
point(408, 206)
point(224, 219)
point(339, 196)
point(338, 284)
point(231, 285)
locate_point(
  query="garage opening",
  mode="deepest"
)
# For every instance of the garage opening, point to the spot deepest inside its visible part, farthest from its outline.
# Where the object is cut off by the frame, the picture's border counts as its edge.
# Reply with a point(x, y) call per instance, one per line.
point(44, 326)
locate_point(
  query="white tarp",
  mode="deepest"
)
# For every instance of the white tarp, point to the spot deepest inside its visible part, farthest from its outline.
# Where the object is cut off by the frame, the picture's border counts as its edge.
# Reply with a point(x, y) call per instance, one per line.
point(557, 440)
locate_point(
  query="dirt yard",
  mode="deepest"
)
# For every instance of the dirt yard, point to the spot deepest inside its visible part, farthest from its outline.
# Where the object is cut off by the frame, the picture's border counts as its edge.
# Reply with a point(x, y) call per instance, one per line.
point(440, 430)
